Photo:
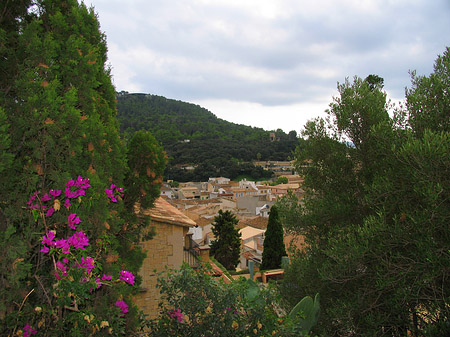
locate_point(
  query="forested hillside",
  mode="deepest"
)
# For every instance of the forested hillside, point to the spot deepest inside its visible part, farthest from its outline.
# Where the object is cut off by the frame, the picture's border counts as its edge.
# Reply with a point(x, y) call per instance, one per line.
point(192, 135)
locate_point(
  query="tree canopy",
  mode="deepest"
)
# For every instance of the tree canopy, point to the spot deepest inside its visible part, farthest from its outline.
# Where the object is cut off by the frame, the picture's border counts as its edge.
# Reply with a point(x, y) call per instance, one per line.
point(226, 247)
point(376, 210)
point(58, 122)
point(192, 135)
point(274, 248)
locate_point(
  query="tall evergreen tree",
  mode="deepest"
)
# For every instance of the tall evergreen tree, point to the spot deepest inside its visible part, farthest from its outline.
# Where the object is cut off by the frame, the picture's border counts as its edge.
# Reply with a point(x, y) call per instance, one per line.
point(274, 248)
point(59, 122)
point(375, 213)
point(227, 244)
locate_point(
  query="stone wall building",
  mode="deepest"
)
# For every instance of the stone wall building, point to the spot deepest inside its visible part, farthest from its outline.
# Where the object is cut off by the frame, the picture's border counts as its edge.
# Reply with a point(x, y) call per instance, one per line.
point(168, 248)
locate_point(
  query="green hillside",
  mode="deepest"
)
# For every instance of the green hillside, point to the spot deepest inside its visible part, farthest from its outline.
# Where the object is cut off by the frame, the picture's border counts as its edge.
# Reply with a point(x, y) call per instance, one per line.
point(192, 135)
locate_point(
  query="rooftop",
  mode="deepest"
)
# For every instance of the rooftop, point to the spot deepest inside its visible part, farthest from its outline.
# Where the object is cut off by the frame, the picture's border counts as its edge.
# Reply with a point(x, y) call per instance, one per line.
point(165, 212)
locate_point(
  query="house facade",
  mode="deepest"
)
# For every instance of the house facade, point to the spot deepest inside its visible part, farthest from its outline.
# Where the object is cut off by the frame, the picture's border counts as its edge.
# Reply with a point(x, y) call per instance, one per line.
point(252, 245)
point(167, 249)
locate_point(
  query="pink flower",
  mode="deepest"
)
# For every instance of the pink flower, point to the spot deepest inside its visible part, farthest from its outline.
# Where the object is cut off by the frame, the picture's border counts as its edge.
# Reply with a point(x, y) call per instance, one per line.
point(79, 193)
point(87, 263)
point(70, 183)
point(109, 193)
point(176, 314)
point(106, 277)
point(48, 240)
point(114, 189)
point(28, 330)
point(79, 240)
point(67, 203)
point(127, 276)
point(46, 197)
point(99, 283)
point(123, 306)
point(55, 193)
point(68, 193)
point(82, 183)
point(61, 270)
point(64, 245)
point(50, 212)
point(32, 198)
point(73, 221)
point(45, 250)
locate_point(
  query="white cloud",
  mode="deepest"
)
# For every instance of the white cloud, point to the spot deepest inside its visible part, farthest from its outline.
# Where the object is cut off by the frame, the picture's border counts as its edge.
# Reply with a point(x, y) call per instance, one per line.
point(279, 59)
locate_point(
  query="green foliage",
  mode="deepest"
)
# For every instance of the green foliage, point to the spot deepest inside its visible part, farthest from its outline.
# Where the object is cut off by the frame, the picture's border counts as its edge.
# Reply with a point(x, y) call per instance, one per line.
point(146, 163)
point(306, 313)
point(227, 244)
point(280, 180)
point(196, 304)
point(5, 156)
point(68, 270)
point(57, 121)
point(274, 248)
point(289, 211)
point(428, 101)
point(194, 136)
point(375, 212)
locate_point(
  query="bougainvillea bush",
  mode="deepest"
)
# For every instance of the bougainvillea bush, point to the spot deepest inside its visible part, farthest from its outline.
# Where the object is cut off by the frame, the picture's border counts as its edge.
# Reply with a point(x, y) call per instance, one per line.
point(195, 303)
point(69, 271)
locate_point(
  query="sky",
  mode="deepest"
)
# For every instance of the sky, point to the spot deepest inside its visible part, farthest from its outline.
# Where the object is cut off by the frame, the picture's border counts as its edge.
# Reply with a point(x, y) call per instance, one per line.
point(272, 64)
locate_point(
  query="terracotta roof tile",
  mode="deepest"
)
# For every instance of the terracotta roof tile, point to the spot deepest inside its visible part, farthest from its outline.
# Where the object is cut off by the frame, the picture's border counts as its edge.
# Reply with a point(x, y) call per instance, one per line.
point(165, 212)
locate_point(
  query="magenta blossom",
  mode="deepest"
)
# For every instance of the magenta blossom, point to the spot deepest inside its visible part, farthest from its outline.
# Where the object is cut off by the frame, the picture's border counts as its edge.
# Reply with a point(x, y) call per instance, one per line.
point(50, 212)
point(176, 314)
point(99, 283)
point(64, 245)
point(67, 203)
point(113, 191)
point(46, 197)
point(61, 270)
point(79, 240)
point(127, 276)
point(28, 330)
point(73, 221)
point(82, 183)
point(68, 193)
point(48, 240)
point(123, 306)
point(106, 277)
point(55, 193)
point(30, 202)
point(87, 263)
point(70, 183)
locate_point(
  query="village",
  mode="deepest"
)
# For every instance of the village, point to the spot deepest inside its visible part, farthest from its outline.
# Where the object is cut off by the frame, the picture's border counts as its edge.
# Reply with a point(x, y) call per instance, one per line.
point(183, 216)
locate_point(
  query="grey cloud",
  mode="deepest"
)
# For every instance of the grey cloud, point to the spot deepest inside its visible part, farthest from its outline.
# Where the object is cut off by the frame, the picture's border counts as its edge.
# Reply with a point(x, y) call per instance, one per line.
point(298, 56)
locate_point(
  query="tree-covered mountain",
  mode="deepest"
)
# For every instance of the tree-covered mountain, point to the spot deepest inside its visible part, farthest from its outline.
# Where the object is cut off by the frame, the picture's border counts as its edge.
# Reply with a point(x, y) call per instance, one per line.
point(192, 135)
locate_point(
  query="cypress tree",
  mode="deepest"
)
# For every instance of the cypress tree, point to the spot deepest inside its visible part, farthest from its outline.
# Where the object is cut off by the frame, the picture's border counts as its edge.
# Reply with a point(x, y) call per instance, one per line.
point(59, 122)
point(274, 248)
point(227, 245)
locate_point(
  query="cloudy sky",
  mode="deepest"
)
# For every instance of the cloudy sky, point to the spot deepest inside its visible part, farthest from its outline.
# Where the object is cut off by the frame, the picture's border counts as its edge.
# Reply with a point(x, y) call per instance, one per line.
point(269, 63)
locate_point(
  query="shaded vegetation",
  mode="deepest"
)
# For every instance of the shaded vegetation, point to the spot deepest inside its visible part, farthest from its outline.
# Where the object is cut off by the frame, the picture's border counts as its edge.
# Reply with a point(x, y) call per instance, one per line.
point(192, 135)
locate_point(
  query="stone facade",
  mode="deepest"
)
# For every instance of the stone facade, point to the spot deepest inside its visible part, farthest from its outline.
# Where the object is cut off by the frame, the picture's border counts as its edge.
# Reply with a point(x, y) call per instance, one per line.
point(164, 250)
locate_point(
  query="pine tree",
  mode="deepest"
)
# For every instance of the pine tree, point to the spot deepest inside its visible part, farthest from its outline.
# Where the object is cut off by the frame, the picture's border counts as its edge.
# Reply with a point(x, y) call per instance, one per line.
point(227, 245)
point(375, 212)
point(274, 248)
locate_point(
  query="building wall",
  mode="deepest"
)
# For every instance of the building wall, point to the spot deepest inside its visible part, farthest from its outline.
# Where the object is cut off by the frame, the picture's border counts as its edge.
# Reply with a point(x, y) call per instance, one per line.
point(165, 249)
